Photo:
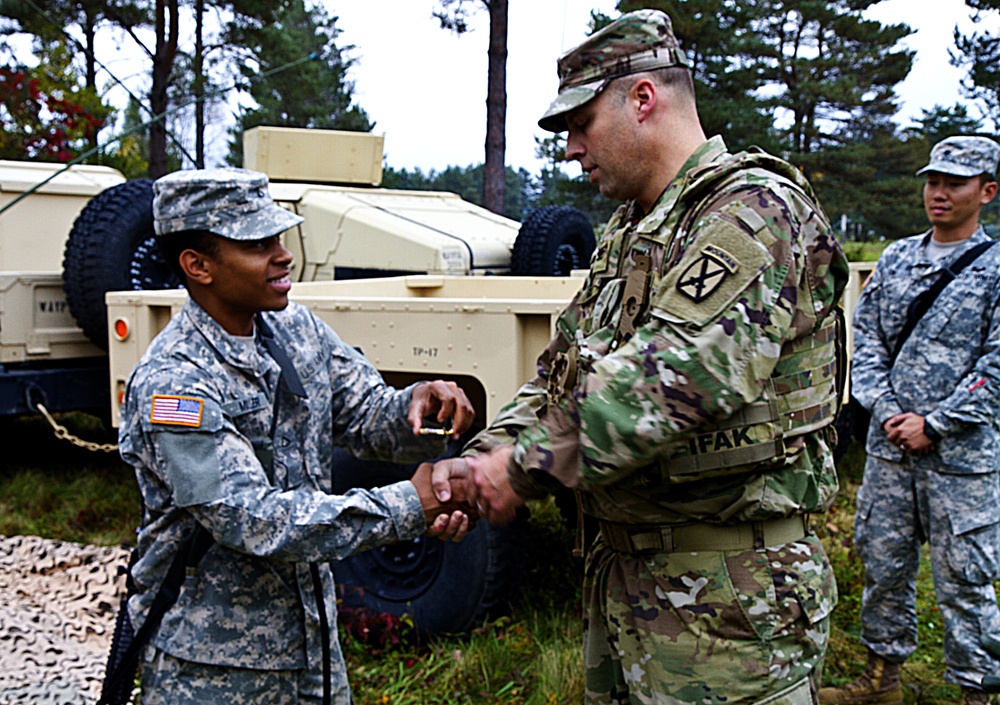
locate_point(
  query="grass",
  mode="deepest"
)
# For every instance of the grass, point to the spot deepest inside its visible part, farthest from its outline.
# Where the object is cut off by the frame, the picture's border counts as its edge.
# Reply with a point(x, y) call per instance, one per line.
point(53, 489)
point(49, 488)
point(863, 251)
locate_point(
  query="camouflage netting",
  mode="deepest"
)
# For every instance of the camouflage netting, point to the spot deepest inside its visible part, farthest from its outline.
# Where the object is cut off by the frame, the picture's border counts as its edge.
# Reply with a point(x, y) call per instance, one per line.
point(57, 611)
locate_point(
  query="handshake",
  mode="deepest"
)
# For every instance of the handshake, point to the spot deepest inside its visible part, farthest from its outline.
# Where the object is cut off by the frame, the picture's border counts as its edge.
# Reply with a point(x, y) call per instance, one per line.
point(456, 492)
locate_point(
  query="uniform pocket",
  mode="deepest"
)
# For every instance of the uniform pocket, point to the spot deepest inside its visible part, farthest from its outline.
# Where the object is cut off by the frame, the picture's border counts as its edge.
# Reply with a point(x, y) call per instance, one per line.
point(780, 588)
point(974, 549)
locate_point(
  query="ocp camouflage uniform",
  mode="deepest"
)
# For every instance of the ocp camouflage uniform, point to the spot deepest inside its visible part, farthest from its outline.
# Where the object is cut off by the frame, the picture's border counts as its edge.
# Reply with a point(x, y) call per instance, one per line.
point(250, 608)
point(701, 440)
point(949, 372)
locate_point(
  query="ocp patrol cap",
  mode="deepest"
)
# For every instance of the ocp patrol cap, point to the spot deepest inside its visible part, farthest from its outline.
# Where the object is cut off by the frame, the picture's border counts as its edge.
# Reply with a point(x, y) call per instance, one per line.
point(964, 155)
point(232, 203)
point(637, 41)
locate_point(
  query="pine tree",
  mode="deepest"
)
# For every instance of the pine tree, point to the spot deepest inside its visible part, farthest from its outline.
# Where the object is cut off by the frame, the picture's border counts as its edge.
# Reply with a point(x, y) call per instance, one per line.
point(313, 94)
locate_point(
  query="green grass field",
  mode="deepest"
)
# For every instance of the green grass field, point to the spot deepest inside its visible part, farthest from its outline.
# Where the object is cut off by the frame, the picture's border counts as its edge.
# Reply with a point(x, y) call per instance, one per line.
point(51, 489)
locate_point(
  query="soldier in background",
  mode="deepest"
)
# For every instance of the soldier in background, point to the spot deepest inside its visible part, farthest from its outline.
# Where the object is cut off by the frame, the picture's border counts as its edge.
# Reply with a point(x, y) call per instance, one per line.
point(230, 420)
point(688, 394)
point(933, 443)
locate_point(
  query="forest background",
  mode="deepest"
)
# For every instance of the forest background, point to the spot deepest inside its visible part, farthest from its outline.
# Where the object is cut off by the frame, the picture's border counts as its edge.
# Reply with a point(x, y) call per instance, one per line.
point(814, 82)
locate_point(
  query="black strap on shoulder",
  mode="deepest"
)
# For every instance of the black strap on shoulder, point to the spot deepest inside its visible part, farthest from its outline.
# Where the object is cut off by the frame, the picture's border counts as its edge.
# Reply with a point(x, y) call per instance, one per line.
point(922, 304)
point(289, 377)
point(291, 382)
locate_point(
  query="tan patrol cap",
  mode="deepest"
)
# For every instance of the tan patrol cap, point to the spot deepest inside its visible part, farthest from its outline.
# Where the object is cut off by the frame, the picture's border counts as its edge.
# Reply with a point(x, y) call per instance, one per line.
point(637, 41)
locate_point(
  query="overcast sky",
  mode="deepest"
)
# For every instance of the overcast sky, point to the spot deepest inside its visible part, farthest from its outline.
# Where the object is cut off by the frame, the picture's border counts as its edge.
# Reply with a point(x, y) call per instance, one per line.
point(425, 88)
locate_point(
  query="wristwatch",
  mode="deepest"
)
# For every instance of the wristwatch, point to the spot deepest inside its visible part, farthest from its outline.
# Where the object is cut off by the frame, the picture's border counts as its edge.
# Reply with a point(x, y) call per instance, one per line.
point(931, 432)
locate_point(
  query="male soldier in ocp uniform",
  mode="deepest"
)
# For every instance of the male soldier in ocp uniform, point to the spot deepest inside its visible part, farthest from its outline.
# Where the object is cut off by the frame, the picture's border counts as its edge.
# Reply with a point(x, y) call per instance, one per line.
point(688, 394)
point(933, 444)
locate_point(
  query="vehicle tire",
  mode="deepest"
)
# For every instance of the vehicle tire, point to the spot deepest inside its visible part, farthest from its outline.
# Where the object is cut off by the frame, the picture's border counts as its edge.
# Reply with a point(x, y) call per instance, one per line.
point(111, 247)
point(444, 587)
point(553, 241)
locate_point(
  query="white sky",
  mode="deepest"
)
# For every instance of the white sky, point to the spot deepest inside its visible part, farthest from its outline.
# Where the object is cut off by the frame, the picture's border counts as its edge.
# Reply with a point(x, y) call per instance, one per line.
point(425, 88)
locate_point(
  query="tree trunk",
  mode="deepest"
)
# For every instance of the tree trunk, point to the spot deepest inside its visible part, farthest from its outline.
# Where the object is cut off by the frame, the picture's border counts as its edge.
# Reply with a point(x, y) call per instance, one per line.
point(494, 172)
point(163, 63)
point(199, 85)
point(91, 65)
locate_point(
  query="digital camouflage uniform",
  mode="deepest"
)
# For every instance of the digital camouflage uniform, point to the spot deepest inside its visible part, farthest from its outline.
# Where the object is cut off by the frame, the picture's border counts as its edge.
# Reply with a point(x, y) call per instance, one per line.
point(948, 371)
point(709, 425)
point(199, 428)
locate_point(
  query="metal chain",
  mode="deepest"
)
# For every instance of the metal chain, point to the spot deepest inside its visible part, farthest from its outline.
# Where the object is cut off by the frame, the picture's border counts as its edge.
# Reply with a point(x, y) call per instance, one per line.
point(63, 433)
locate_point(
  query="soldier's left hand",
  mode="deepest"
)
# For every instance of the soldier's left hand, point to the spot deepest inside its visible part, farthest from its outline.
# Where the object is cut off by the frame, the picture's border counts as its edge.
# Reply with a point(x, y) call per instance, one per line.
point(443, 401)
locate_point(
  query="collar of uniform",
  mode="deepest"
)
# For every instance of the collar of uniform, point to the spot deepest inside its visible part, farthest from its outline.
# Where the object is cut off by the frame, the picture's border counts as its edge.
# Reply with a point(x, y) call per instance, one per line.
point(233, 351)
point(977, 237)
point(707, 153)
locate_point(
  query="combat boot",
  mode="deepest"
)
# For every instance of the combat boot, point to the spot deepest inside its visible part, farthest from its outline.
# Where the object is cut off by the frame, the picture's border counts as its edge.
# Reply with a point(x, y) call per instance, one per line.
point(878, 685)
point(970, 696)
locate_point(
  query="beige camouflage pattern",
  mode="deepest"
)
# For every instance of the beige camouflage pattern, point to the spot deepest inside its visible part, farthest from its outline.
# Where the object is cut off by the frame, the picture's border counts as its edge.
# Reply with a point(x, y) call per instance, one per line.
point(637, 41)
point(57, 616)
point(964, 155)
point(233, 203)
point(691, 366)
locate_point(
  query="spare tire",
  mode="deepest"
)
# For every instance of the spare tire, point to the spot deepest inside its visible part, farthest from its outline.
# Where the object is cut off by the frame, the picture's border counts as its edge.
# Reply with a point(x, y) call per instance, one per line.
point(112, 248)
point(444, 587)
point(552, 242)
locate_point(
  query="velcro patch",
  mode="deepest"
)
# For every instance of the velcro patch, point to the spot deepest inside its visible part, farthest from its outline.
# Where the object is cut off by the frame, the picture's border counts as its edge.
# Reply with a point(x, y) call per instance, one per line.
point(703, 276)
point(176, 411)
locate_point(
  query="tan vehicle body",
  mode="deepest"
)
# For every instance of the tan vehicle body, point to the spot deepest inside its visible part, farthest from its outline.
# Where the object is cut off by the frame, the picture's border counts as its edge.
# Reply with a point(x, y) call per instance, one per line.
point(35, 322)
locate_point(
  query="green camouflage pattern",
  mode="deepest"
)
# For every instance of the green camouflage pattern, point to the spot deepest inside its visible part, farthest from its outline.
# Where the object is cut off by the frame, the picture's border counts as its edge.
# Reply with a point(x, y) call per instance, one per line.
point(643, 40)
point(704, 617)
point(710, 344)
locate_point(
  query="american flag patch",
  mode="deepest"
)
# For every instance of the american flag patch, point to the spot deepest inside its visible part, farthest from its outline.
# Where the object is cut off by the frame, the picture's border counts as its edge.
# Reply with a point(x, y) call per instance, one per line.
point(179, 411)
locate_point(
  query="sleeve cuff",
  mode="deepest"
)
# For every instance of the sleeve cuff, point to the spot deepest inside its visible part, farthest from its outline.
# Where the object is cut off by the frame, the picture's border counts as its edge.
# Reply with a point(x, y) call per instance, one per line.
point(526, 485)
point(885, 408)
point(407, 512)
point(937, 425)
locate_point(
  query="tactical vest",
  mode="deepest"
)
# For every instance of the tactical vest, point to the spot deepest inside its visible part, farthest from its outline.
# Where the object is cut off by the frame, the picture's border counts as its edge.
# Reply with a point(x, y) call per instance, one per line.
point(803, 392)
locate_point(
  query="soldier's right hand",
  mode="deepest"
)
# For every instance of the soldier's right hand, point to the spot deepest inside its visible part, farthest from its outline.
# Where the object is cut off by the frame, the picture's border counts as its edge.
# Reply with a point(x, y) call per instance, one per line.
point(448, 514)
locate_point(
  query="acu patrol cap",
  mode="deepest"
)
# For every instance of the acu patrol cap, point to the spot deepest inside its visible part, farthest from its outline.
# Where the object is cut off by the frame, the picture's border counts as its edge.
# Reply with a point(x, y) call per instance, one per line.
point(964, 156)
point(637, 41)
point(232, 203)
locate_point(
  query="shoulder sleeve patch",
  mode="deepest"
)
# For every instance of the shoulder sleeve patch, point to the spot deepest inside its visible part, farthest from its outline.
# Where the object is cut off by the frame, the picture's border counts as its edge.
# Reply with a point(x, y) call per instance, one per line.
point(176, 410)
point(716, 269)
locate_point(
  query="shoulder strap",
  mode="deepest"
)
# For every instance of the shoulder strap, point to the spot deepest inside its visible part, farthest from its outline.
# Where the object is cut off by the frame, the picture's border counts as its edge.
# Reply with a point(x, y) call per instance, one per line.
point(289, 377)
point(922, 304)
point(122, 666)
